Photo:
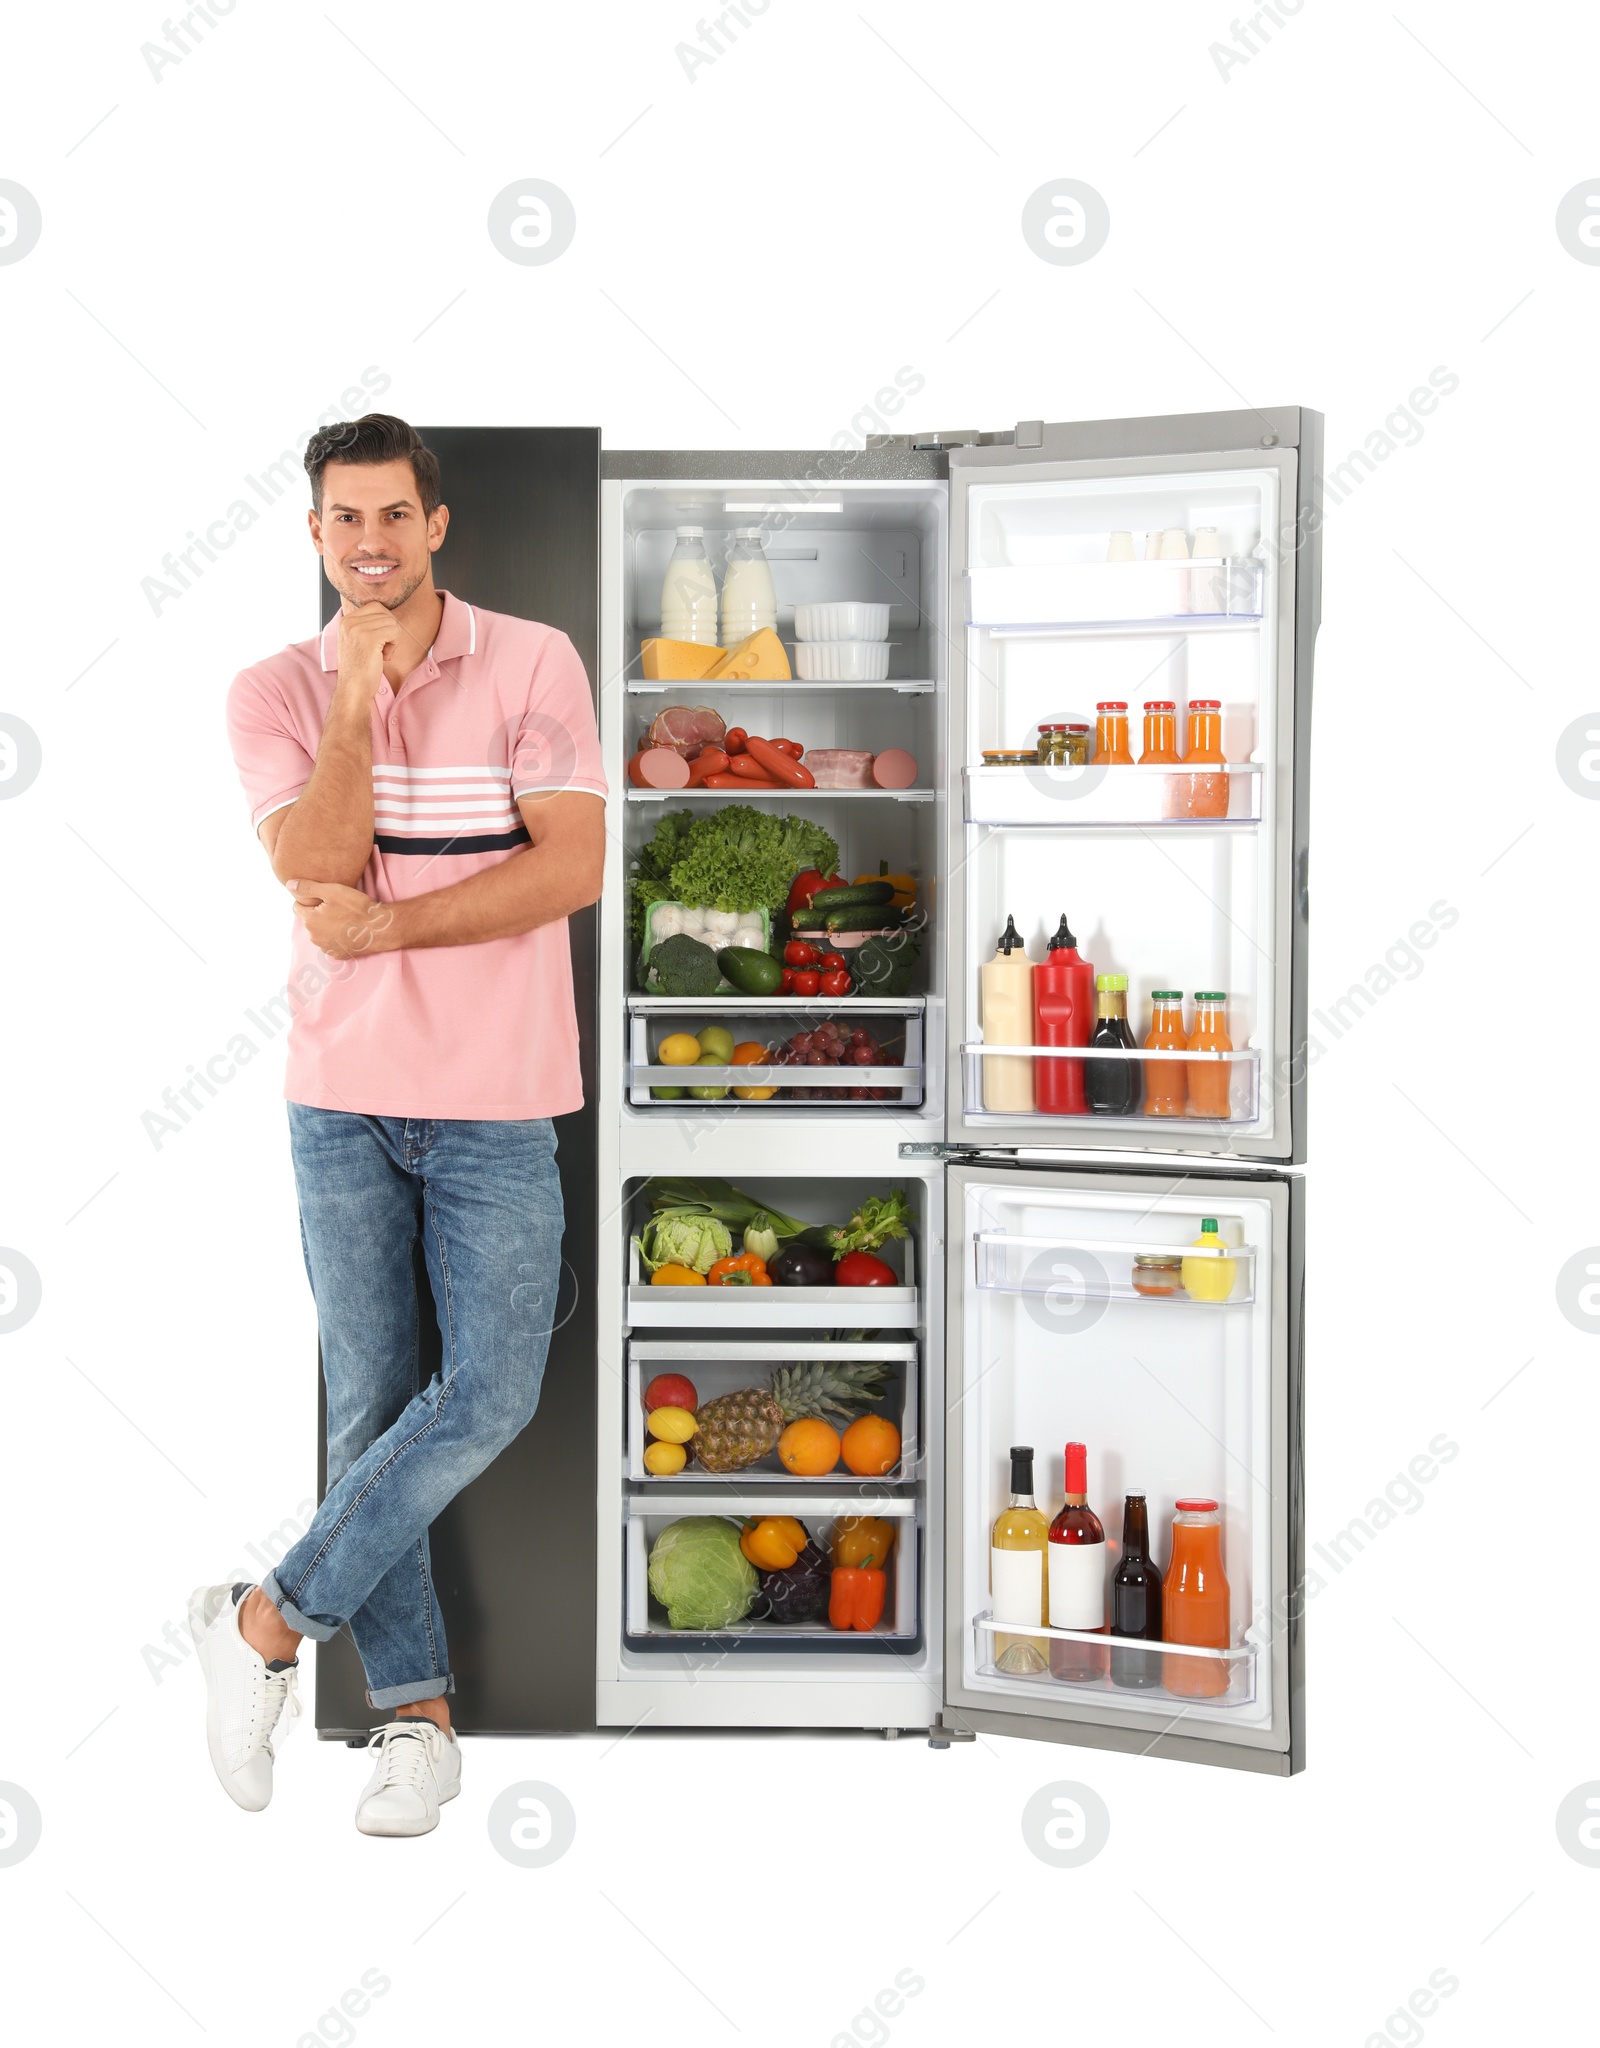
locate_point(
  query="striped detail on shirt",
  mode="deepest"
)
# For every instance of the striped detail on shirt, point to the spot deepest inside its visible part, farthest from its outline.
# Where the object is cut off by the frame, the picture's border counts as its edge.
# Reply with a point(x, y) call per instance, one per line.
point(444, 810)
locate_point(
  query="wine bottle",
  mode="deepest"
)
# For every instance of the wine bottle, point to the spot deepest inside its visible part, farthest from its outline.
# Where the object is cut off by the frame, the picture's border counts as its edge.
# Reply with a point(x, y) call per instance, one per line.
point(1017, 1572)
point(1077, 1562)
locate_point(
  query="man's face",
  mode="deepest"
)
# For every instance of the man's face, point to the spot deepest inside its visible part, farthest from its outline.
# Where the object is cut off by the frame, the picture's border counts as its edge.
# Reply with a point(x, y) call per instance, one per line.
point(371, 535)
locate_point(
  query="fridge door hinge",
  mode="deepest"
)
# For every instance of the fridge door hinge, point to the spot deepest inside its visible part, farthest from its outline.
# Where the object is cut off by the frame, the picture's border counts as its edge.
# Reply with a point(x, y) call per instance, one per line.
point(943, 1733)
point(922, 1149)
point(938, 440)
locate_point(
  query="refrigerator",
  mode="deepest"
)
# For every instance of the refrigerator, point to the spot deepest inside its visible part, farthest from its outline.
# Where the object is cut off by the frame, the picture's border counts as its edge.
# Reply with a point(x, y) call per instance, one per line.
point(1027, 583)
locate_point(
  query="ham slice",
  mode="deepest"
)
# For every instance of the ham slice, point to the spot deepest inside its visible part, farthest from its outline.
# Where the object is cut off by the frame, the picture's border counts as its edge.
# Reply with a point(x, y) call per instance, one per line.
point(840, 767)
point(687, 728)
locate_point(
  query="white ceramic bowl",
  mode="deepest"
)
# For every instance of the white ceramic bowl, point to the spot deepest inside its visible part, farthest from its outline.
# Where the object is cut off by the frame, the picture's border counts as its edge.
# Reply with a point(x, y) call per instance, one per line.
point(854, 621)
point(842, 661)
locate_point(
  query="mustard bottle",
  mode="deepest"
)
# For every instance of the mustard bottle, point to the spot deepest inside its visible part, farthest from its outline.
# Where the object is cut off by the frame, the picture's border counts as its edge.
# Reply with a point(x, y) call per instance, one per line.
point(1209, 1279)
point(1005, 998)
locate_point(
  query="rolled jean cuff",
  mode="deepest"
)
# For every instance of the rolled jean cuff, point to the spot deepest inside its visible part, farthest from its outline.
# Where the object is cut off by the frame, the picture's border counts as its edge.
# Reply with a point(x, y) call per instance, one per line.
point(408, 1695)
point(302, 1624)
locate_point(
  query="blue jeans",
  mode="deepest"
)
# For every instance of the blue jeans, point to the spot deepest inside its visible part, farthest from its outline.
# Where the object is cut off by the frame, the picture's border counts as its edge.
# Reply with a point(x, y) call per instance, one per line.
point(485, 1198)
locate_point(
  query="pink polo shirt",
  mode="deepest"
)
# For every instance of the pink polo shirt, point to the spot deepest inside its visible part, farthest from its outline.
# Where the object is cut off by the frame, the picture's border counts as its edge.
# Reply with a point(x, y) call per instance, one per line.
point(499, 709)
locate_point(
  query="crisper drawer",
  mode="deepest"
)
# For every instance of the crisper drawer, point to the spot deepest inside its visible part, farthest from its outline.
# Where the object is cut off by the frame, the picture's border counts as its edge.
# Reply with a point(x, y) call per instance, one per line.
point(872, 1056)
point(885, 1386)
point(646, 1622)
point(716, 1309)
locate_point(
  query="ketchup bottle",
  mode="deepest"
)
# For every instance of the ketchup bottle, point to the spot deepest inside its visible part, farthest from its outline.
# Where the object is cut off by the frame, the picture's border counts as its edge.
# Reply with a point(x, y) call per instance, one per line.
point(1063, 1014)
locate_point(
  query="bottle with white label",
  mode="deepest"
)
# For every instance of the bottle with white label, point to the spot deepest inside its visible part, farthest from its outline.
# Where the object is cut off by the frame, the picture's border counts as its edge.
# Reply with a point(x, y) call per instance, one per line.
point(749, 601)
point(1017, 1546)
point(1077, 1566)
point(689, 591)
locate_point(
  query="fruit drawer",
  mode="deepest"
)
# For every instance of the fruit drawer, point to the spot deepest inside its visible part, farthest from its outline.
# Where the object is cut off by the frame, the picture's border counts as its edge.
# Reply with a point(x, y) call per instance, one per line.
point(721, 1576)
point(876, 1381)
point(774, 1054)
point(817, 1309)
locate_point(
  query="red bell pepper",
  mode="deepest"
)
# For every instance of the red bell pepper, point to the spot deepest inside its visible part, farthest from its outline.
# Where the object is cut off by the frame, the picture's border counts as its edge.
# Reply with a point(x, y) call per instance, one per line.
point(806, 884)
point(861, 1269)
point(855, 1597)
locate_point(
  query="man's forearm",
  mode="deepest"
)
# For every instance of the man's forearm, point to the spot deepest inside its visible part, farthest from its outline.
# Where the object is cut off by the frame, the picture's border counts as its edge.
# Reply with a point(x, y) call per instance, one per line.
point(534, 887)
point(327, 835)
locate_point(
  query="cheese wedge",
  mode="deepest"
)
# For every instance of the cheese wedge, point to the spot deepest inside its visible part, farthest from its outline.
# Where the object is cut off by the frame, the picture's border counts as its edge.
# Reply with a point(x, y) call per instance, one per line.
point(760, 658)
point(680, 661)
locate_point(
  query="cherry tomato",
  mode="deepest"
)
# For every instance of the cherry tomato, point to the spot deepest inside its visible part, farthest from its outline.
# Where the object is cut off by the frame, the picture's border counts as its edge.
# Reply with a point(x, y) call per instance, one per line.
point(798, 954)
point(807, 982)
point(836, 983)
point(733, 739)
point(786, 986)
point(834, 963)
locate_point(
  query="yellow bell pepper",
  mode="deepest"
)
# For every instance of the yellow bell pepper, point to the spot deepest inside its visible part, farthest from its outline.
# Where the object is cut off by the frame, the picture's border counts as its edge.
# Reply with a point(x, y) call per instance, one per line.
point(677, 1276)
point(860, 1541)
point(773, 1542)
point(905, 886)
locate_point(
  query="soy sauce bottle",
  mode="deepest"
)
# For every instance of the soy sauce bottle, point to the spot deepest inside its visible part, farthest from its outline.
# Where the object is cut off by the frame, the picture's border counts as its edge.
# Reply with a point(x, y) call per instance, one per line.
point(1136, 1601)
point(1112, 1087)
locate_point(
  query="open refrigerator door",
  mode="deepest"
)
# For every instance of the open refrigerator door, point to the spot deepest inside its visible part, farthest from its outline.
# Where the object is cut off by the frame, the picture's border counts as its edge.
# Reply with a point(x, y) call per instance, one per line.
point(1081, 1311)
point(1143, 593)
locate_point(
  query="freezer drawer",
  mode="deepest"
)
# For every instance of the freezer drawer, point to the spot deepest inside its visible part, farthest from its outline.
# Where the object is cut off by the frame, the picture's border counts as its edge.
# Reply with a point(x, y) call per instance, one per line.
point(1176, 1396)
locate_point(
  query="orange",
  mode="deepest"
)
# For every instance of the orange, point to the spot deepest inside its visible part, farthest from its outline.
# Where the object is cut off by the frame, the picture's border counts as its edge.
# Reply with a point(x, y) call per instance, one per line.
point(749, 1054)
point(871, 1446)
point(809, 1447)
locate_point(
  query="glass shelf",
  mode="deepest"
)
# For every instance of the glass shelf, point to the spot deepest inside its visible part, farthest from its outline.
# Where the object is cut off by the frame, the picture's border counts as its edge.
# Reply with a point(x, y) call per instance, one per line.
point(1173, 597)
point(1186, 1673)
point(756, 794)
point(1244, 1085)
point(1101, 1269)
point(1114, 795)
point(638, 687)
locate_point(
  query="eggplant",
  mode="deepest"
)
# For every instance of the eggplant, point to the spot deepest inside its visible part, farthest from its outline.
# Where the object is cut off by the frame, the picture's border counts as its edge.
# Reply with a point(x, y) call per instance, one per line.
point(800, 1265)
point(798, 1594)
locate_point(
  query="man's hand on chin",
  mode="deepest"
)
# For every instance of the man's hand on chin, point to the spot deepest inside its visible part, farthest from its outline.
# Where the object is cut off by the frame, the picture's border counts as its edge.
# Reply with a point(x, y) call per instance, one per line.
point(343, 923)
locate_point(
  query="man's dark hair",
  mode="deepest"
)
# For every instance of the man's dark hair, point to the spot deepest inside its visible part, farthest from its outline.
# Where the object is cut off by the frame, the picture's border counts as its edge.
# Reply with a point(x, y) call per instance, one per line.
point(375, 437)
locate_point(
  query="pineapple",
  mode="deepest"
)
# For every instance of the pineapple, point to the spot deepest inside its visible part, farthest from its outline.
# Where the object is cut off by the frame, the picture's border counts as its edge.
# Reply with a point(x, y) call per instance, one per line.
point(738, 1430)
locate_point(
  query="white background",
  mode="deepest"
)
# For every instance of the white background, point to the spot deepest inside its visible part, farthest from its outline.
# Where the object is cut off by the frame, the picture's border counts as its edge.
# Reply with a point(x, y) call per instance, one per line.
point(1366, 199)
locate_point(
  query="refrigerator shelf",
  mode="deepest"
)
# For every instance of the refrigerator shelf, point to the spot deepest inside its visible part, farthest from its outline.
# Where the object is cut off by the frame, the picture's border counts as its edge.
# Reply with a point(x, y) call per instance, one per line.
point(1138, 595)
point(639, 688)
point(755, 794)
point(1243, 1094)
point(902, 1083)
point(1100, 1269)
point(1100, 795)
point(1191, 1665)
point(776, 1308)
point(646, 1625)
point(774, 1006)
point(720, 1368)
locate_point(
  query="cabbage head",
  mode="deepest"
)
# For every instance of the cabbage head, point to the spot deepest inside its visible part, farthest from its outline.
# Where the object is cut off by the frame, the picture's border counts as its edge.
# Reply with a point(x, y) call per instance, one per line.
point(676, 1237)
point(699, 1573)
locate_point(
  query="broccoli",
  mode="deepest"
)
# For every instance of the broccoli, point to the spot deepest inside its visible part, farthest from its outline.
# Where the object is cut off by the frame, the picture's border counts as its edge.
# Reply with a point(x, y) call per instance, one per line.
point(681, 966)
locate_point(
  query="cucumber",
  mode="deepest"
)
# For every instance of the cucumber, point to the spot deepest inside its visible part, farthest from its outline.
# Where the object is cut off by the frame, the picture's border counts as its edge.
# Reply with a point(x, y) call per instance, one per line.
point(853, 896)
point(750, 972)
point(866, 917)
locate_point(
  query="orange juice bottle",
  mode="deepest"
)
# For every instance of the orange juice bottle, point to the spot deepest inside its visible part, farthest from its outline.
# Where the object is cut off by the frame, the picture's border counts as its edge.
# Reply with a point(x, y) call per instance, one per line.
point(1205, 729)
point(1166, 1091)
point(1111, 735)
point(1160, 734)
point(1194, 1601)
point(1210, 1081)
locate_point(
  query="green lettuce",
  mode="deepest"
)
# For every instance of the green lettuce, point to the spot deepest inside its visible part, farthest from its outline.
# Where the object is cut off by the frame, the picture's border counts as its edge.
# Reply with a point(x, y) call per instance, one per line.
point(700, 1575)
point(734, 858)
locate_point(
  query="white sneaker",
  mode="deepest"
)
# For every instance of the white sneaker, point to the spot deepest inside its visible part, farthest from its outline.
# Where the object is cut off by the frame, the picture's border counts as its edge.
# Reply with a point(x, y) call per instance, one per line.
point(419, 1767)
point(246, 1698)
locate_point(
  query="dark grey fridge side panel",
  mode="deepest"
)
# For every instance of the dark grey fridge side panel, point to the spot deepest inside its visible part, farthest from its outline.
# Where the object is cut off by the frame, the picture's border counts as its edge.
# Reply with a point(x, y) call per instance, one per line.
point(514, 1554)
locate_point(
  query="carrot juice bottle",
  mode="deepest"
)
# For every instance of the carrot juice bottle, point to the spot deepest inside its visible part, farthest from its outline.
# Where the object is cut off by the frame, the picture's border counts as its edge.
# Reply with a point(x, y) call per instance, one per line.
point(1194, 1601)
point(1210, 1081)
point(1160, 734)
point(1166, 1090)
point(1111, 735)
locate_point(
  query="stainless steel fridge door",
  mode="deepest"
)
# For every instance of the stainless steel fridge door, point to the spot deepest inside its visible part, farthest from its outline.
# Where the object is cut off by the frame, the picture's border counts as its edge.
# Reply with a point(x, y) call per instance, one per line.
point(1033, 533)
point(1048, 1342)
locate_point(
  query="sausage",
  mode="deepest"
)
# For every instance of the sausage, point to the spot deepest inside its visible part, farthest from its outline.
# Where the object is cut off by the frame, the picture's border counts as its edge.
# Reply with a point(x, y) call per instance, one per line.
point(894, 768)
point(659, 768)
point(709, 761)
point(748, 768)
point(737, 782)
point(780, 766)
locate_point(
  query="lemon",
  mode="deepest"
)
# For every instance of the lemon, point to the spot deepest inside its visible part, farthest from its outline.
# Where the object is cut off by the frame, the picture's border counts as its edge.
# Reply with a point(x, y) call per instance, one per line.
point(717, 1043)
point(662, 1460)
point(679, 1050)
point(671, 1425)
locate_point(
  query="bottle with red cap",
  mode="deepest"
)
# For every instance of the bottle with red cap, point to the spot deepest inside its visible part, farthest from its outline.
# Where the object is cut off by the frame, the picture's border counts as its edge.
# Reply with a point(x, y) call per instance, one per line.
point(1076, 1555)
point(1111, 734)
point(1063, 1014)
point(1160, 733)
point(1194, 1600)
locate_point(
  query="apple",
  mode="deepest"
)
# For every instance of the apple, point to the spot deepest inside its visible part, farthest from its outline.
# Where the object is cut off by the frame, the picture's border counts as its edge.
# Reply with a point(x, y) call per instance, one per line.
point(671, 1390)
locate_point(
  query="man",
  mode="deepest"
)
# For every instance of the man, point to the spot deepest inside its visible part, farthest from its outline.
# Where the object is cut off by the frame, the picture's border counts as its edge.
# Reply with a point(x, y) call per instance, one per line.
point(425, 777)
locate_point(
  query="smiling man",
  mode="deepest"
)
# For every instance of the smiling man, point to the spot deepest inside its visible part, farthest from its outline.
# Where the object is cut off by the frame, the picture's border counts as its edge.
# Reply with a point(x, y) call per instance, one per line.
point(425, 777)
